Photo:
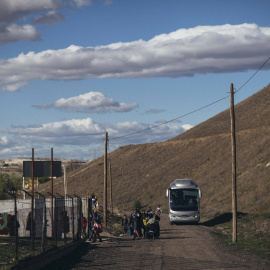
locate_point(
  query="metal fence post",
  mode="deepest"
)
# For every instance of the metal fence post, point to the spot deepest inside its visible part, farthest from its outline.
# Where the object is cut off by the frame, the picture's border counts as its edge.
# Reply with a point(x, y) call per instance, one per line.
point(44, 223)
point(63, 200)
point(54, 218)
point(72, 213)
point(89, 210)
point(14, 226)
point(79, 216)
point(32, 231)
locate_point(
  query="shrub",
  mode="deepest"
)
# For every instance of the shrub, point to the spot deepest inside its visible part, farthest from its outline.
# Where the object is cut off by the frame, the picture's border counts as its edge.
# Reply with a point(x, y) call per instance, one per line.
point(137, 204)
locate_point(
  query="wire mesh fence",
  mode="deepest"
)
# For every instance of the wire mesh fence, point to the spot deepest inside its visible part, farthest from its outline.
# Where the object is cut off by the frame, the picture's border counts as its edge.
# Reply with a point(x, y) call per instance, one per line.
point(30, 227)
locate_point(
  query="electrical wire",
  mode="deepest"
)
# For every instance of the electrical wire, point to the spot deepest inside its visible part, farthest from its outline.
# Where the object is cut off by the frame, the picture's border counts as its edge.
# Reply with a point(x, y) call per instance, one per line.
point(166, 122)
point(253, 75)
point(210, 104)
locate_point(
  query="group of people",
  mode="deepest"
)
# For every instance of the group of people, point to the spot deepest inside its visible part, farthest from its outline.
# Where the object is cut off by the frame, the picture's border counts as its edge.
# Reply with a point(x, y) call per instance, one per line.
point(95, 227)
point(138, 224)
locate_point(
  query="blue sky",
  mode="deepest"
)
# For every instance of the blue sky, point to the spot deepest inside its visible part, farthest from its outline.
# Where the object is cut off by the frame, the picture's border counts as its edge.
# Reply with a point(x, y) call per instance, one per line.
point(72, 70)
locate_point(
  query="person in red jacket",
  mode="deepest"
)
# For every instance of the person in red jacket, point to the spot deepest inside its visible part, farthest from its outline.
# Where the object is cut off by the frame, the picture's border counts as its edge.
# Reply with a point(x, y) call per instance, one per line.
point(84, 223)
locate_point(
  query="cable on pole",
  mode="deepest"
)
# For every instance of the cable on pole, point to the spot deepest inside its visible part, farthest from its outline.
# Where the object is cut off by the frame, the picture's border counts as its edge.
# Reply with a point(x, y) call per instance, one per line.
point(210, 104)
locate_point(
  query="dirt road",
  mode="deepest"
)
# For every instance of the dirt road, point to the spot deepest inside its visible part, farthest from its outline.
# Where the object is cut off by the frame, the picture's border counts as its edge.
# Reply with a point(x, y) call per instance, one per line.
point(179, 247)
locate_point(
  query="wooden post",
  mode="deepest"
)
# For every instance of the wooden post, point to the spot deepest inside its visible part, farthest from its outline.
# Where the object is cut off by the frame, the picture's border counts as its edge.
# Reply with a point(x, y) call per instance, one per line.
point(16, 228)
point(72, 216)
point(65, 180)
point(110, 174)
point(32, 172)
point(52, 192)
point(23, 188)
point(44, 227)
point(234, 196)
point(32, 232)
point(105, 182)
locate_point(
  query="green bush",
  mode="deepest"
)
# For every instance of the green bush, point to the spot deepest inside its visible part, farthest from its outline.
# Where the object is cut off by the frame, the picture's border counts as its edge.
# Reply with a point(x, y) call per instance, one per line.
point(42, 180)
point(9, 185)
point(138, 204)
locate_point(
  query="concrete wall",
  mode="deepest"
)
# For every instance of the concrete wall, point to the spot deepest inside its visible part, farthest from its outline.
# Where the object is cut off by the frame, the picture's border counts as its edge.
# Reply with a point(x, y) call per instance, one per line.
point(24, 208)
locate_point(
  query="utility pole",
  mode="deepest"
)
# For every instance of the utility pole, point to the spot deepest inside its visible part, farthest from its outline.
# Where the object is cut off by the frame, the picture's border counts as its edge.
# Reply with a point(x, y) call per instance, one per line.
point(65, 180)
point(105, 181)
point(23, 188)
point(110, 174)
point(234, 194)
point(32, 233)
point(32, 173)
point(52, 191)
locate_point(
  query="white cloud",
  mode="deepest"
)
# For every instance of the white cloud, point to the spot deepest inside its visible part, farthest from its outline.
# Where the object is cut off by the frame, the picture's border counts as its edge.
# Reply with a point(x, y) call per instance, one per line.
point(81, 3)
point(43, 11)
point(12, 10)
point(15, 32)
point(80, 134)
point(52, 17)
point(3, 141)
point(15, 152)
point(154, 111)
point(74, 127)
point(134, 133)
point(185, 52)
point(92, 102)
point(187, 126)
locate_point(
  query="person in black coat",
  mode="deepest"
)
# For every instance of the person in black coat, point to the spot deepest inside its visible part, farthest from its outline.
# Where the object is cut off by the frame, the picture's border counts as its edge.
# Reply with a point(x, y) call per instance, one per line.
point(13, 225)
point(125, 224)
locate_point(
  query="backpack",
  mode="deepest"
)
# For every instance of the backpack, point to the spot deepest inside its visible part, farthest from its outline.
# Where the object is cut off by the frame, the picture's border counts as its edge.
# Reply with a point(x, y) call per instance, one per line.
point(99, 228)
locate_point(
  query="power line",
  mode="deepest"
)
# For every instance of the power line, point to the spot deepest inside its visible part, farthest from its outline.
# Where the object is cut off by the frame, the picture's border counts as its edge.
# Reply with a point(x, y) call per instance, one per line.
point(171, 119)
point(253, 75)
point(210, 104)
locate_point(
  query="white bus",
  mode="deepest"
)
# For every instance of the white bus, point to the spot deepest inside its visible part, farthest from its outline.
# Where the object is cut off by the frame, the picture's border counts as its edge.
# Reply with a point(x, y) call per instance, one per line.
point(184, 201)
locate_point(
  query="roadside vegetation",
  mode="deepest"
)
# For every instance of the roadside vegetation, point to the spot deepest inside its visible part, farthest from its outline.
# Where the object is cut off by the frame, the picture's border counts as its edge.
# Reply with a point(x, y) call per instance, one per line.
point(9, 184)
point(253, 232)
point(7, 250)
point(12, 183)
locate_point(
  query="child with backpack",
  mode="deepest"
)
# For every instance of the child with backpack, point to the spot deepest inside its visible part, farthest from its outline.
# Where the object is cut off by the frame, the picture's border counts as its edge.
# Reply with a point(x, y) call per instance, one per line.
point(97, 231)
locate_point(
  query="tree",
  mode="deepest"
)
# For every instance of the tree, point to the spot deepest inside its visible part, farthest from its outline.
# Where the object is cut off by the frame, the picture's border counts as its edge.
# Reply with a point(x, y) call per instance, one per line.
point(3, 187)
point(6, 184)
point(16, 182)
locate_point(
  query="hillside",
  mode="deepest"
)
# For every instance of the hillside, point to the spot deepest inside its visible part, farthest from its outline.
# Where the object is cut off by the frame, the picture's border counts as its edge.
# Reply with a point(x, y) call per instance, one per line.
point(143, 172)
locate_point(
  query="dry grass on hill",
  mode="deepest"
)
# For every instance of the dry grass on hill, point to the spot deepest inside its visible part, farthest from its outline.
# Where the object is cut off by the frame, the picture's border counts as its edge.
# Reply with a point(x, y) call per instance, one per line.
point(143, 172)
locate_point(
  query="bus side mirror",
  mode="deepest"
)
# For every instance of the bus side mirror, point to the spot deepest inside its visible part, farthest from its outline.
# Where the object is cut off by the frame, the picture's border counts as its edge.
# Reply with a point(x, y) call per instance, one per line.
point(167, 192)
point(200, 193)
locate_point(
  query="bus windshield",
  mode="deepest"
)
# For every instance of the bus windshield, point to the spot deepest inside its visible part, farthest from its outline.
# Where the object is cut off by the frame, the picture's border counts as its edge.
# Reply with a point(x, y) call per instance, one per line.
point(184, 199)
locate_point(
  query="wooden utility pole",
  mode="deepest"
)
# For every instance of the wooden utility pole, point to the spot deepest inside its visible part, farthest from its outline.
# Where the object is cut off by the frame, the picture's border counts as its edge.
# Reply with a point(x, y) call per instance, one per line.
point(105, 181)
point(52, 191)
point(110, 174)
point(16, 227)
point(32, 233)
point(65, 180)
point(33, 173)
point(234, 197)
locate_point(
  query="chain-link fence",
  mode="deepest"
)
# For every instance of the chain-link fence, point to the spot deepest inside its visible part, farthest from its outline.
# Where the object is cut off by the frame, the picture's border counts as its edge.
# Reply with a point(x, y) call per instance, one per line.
point(32, 226)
